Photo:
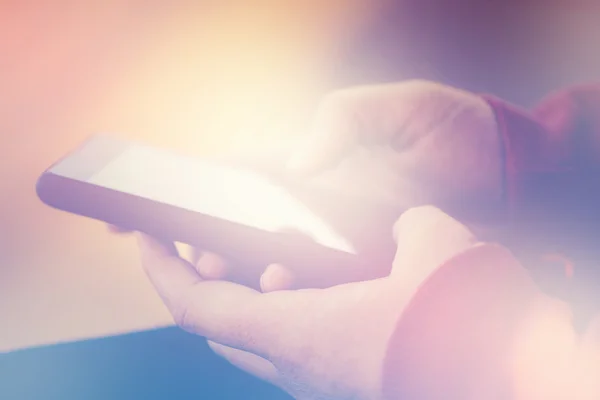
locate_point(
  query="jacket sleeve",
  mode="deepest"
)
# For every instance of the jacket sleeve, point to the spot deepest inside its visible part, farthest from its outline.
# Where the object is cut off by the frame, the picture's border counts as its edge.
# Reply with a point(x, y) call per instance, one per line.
point(480, 327)
point(552, 157)
point(467, 334)
point(552, 189)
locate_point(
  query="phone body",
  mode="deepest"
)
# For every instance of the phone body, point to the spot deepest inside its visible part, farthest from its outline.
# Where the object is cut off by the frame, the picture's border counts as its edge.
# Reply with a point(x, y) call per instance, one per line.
point(249, 217)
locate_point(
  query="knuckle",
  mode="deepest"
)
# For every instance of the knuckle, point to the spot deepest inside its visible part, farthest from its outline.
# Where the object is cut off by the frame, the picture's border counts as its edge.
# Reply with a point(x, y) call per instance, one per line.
point(421, 83)
point(431, 224)
point(420, 221)
point(182, 311)
point(181, 317)
point(421, 86)
point(432, 93)
point(420, 214)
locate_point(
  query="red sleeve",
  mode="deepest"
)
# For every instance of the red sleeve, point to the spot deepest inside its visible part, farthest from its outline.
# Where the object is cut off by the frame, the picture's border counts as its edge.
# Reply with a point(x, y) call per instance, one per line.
point(536, 160)
point(455, 337)
point(552, 170)
point(454, 340)
point(550, 183)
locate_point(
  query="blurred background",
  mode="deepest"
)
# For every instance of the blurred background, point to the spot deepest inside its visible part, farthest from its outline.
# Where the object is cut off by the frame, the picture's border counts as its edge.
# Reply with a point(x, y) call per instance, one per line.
point(207, 77)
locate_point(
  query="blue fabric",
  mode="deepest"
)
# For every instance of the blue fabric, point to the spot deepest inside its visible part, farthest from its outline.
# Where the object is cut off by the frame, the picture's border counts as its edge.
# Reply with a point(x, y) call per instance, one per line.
point(162, 364)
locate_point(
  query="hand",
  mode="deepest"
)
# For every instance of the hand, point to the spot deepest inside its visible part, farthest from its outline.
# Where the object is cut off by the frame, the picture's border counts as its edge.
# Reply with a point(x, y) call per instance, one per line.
point(328, 343)
point(409, 144)
point(432, 143)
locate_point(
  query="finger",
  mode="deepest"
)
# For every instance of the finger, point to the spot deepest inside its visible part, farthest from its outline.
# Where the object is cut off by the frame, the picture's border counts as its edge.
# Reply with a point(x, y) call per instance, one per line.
point(276, 277)
point(248, 362)
point(426, 238)
point(169, 274)
point(195, 255)
point(210, 266)
point(222, 311)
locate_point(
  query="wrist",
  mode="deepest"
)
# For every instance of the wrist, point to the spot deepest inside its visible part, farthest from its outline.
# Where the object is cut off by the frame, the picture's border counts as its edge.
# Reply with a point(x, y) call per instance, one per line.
point(543, 357)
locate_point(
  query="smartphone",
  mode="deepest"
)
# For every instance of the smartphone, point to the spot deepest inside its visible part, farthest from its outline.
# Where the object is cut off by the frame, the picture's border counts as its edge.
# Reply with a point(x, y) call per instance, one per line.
point(249, 217)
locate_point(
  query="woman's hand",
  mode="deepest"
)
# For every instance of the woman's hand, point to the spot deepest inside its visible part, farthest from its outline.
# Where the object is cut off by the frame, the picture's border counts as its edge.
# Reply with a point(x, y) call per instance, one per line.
point(348, 340)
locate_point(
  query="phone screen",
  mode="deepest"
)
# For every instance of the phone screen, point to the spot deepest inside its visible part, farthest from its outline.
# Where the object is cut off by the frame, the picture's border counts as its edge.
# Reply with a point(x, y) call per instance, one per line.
point(241, 196)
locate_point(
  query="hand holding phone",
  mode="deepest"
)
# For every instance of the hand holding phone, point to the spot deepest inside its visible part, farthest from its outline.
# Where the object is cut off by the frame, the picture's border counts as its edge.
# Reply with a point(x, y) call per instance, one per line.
point(250, 218)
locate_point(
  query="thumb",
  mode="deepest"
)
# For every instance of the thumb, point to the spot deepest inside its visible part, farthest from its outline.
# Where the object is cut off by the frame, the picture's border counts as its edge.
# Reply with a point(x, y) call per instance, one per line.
point(426, 239)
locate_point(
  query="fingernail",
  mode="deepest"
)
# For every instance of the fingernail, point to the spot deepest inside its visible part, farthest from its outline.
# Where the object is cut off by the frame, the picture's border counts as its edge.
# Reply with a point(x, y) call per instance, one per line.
point(276, 277)
point(262, 283)
point(211, 267)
